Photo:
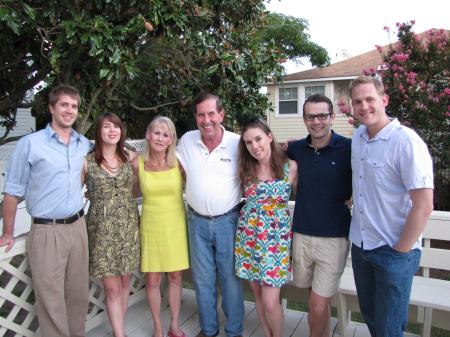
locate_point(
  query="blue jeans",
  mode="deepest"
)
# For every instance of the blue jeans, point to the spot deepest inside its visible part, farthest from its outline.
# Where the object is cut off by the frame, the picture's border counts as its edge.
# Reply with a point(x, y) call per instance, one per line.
point(383, 280)
point(211, 249)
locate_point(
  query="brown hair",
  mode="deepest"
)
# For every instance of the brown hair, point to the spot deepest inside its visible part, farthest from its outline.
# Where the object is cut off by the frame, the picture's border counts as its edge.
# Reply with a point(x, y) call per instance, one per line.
point(57, 92)
point(247, 164)
point(367, 80)
point(120, 148)
point(204, 97)
point(318, 98)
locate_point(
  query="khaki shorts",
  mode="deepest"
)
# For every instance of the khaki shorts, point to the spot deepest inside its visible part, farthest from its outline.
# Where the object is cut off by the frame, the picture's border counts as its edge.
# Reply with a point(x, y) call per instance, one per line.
point(319, 262)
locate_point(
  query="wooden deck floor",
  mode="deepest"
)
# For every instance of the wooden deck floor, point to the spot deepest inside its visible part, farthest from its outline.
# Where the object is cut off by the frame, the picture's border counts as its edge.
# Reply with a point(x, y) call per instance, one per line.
point(139, 322)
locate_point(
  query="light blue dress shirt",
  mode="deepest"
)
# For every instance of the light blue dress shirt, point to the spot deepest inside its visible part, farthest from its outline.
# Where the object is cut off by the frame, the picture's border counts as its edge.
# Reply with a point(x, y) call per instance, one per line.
point(47, 173)
point(385, 168)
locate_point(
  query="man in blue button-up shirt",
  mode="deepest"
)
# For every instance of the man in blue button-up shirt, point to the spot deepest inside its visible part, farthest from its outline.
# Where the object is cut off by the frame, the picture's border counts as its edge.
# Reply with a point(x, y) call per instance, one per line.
point(393, 199)
point(45, 169)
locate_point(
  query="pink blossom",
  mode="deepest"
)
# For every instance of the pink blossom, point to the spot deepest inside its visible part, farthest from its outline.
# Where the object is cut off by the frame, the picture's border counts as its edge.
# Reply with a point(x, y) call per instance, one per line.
point(394, 67)
point(400, 57)
point(396, 75)
point(386, 28)
point(413, 22)
point(422, 85)
point(447, 91)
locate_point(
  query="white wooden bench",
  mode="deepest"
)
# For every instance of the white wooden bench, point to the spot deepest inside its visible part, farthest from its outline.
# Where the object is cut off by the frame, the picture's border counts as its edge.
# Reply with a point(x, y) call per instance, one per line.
point(430, 297)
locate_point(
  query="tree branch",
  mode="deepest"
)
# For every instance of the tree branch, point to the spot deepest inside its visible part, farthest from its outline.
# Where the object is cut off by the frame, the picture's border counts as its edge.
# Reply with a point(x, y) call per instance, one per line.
point(154, 107)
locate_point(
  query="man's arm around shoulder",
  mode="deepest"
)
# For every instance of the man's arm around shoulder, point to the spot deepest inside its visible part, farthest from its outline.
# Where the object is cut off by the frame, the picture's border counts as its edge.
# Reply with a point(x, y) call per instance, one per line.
point(422, 206)
point(10, 203)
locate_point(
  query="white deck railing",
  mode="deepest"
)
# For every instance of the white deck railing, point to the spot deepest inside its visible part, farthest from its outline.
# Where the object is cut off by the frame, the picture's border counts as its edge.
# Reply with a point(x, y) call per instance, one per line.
point(17, 314)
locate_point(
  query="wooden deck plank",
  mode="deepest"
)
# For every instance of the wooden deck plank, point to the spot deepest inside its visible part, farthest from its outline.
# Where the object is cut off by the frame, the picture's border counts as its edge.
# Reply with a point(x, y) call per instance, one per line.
point(139, 322)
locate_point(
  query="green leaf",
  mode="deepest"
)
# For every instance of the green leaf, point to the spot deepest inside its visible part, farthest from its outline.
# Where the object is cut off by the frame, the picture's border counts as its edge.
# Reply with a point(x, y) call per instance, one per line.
point(30, 12)
point(104, 73)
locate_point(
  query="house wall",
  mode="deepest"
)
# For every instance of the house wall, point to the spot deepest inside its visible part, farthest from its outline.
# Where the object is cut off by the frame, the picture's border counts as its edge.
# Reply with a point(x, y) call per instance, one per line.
point(291, 126)
point(26, 123)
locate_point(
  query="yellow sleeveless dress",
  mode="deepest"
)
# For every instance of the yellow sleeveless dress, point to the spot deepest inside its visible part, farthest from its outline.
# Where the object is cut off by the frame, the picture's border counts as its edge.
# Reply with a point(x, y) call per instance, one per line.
point(164, 243)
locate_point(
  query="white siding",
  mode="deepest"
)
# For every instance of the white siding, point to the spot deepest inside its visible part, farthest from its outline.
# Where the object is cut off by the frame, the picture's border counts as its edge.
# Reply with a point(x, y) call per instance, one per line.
point(25, 124)
point(292, 127)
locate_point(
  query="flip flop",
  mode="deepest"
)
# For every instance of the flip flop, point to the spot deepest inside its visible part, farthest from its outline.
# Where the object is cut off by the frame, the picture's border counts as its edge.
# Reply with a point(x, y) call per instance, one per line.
point(171, 334)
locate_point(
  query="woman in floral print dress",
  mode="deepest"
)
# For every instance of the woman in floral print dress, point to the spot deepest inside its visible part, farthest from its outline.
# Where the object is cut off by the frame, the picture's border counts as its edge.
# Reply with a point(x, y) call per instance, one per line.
point(113, 218)
point(263, 235)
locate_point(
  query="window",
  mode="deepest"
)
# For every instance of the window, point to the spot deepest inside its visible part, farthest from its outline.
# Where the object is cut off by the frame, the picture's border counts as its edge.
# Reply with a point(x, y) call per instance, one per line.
point(287, 101)
point(316, 89)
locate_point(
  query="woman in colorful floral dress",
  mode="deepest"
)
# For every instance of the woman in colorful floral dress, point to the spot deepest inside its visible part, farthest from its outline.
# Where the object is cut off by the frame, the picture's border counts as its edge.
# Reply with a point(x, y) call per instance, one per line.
point(263, 235)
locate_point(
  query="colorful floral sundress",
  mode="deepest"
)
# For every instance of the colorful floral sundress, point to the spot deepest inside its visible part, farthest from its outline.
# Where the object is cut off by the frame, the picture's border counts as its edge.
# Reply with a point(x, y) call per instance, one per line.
point(263, 235)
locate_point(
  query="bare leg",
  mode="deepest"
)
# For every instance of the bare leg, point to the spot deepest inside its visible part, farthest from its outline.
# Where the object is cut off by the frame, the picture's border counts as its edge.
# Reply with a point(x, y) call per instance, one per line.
point(319, 315)
point(125, 280)
point(273, 309)
point(113, 291)
point(260, 308)
point(152, 288)
point(175, 290)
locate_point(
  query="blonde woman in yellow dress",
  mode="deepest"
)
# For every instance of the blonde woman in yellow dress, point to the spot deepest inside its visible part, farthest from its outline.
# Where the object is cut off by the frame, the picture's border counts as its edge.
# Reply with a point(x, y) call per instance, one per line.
point(164, 246)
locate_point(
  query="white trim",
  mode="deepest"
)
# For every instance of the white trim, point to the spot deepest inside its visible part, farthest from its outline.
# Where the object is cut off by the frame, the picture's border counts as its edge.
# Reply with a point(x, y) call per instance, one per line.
point(324, 79)
point(277, 102)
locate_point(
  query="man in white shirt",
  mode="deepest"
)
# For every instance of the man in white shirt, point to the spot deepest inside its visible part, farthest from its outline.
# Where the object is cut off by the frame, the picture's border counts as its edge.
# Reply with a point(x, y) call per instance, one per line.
point(393, 199)
point(209, 159)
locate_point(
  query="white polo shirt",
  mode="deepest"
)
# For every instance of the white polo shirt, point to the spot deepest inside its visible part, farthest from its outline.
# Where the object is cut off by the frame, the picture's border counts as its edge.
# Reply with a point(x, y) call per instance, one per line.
point(212, 180)
point(384, 169)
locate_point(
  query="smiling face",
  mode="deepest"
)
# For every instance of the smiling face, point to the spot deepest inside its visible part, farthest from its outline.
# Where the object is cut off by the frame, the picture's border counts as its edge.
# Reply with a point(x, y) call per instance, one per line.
point(209, 119)
point(158, 137)
point(319, 128)
point(110, 133)
point(64, 112)
point(258, 143)
point(369, 107)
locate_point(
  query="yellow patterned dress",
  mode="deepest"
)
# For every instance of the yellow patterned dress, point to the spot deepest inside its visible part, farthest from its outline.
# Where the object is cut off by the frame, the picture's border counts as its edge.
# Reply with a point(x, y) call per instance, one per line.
point(112, 221)
point(163, 221)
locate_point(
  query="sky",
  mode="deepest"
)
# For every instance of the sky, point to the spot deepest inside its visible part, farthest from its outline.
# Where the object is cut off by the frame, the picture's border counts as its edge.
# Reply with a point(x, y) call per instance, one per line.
point(352, 27)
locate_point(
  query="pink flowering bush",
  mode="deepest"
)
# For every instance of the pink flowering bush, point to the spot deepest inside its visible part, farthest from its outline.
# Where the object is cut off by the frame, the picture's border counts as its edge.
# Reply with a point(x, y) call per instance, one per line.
point(416, 76)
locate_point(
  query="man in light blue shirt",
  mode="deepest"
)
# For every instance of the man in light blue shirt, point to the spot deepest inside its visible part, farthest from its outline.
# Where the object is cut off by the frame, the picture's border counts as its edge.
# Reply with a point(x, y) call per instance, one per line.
point(45, 169)
point(392, 201)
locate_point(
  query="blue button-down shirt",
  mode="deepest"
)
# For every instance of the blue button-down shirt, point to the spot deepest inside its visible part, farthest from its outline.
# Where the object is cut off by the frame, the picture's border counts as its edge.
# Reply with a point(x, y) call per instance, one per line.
point(385, 168)
point(47, 173)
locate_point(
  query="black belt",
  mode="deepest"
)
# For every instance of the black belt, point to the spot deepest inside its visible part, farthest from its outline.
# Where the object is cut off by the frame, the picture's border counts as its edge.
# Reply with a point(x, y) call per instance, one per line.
point(65, 221)
point(236, 208)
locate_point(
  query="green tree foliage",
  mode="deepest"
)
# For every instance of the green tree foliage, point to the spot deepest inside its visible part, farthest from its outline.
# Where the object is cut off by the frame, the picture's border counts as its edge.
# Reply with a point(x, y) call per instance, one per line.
point(141, 58)
point(417, 79)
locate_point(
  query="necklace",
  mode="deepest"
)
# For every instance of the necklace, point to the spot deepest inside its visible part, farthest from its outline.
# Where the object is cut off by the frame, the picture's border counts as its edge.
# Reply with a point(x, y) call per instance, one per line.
point(110, 168)
point(157, 163)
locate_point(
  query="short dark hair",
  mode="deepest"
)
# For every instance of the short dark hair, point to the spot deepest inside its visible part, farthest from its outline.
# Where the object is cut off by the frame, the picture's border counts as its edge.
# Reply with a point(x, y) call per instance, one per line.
point(204, 97)
point(63, 89)
point(319, 98)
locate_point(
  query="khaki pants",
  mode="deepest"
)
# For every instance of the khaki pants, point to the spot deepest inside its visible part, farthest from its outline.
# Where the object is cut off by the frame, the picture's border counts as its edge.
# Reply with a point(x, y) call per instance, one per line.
point(58, 258)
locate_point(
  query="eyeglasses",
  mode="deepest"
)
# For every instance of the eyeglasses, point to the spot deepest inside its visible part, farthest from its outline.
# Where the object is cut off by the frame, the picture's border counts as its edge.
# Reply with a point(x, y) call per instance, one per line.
point(320, 117)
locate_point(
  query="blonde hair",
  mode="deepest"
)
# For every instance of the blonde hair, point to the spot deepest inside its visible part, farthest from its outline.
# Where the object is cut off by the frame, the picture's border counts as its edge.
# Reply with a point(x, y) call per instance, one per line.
point(171, 157)
point(363, 79)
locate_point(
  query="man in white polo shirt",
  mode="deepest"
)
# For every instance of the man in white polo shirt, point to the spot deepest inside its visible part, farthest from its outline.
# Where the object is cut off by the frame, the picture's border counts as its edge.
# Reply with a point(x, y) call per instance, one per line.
point(209, 159)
